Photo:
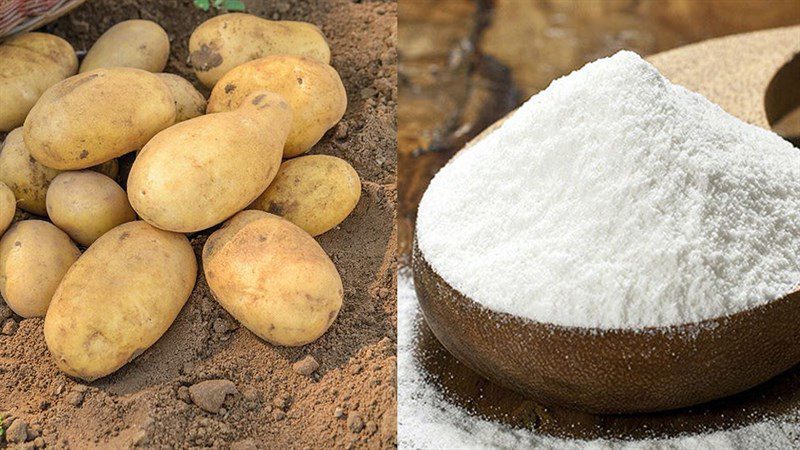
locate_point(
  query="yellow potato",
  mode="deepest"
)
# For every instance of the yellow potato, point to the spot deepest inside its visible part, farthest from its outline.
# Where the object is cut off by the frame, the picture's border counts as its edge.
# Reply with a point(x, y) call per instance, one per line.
point(315, 192)
point(28, 179)
point(86, 205)
point(29, 64)
point(198, 173)
point(314, 91)
point(117, 300)
point(34, 256)
point(223, 42)
point(8, 206)
point(189, 103)
point(96, 116)
point(273, 277)
point(141, 44)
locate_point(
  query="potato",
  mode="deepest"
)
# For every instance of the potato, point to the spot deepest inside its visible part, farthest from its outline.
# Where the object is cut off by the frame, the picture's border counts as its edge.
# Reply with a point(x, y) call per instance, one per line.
point(118, 299)
point(315, 192)
point(96, 116)
point(273, 277)
point(189, 103)
point(86, 205)
point(140, 44)
point(34, 256)
point(8, 207)
point(314, 91)
point(28, 179)
point(223, 42)
point(198, 173)
point(29, 64)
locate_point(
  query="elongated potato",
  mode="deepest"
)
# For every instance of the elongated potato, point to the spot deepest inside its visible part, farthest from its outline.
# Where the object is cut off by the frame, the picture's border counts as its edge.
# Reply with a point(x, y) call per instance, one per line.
point(118, 299)
point(223, 42)
point(314, 91)
point(87, 204)
point(29, 64)
point(96, 116)
point(28, 179)
point(273, 277)
point(198, 173)
point(315, 192)
point(8, 206)
point(189, 102)
point(140, 44)
point(34, 256)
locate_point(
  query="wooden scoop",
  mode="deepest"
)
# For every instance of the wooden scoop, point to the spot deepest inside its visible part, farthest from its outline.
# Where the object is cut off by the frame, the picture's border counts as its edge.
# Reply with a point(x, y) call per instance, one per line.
point(651, 369)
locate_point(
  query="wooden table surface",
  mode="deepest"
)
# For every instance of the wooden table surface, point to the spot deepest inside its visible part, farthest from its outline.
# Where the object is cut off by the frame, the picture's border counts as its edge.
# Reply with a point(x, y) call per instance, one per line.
point(465, 64)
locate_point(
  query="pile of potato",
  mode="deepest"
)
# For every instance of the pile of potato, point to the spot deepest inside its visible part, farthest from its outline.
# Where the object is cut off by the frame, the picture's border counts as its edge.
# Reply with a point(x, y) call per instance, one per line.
point(274, 95)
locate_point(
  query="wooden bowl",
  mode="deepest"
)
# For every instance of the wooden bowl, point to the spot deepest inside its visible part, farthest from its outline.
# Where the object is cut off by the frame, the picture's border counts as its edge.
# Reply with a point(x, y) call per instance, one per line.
point(612, 371)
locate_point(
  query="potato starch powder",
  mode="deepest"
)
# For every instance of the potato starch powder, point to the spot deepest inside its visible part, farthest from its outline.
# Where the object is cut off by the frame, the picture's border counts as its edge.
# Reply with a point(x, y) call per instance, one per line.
point(615, 199)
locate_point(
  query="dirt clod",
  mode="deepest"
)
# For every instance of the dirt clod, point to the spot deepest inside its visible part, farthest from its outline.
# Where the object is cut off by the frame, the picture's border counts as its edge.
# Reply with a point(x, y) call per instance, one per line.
point(210, 394)
point(354, 422)
point(306, 366)
point(17, 432)
point(10, 326)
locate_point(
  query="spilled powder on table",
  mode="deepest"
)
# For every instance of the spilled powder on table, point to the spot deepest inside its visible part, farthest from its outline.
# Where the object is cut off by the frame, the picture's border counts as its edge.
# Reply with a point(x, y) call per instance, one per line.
point(653, 203)
point(427, 420)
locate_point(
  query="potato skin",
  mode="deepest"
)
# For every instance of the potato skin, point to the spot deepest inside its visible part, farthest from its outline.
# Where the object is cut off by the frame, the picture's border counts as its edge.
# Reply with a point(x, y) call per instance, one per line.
point(189, 102)
point(8, 207)
point(34, 256)
point(198, 173)
point(315, 192)
point(118, 299)
point(223, 42)
point(96, 116)
point(273, 277)
point(28, 179)
point(87, 204)
point(29, 64)
point(141, 44)
point(314, 90)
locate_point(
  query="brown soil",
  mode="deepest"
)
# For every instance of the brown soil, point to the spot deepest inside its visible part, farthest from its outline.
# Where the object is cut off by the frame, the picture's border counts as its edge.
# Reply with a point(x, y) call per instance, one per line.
point(350, 400)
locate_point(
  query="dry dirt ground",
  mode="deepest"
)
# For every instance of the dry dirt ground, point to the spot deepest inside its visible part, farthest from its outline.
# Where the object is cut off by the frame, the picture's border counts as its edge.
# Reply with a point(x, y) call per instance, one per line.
point(350, 400)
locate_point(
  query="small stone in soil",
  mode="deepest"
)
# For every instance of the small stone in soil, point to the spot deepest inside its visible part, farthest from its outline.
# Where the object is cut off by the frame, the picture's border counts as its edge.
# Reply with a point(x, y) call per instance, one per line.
point(10, 327)
point(17, 433)
point(306, 366)
point(355, 422)
point(209, 395)
point(75, 397)
point(279, 415)
point(338, 413)
point(371, 427)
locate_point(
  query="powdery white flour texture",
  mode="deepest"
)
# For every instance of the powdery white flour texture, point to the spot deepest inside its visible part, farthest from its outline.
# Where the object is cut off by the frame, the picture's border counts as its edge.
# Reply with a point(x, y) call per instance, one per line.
point(615, 199)
point(427, 420)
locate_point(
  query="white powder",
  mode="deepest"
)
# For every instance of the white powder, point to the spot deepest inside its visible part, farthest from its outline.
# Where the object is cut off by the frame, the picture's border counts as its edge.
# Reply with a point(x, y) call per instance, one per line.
point(426, 420)
point(615, 199)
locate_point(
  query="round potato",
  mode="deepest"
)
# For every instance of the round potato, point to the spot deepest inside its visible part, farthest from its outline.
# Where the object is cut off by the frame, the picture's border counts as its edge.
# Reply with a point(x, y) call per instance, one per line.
point(198, 173)
point(28, 179)
point(314, 91)
point(189, 102)
point(34, 256)
point(315, 192)
point(141, 44)
point(117, 300)
point(96, 116)
point(8, 206)
point(86, 205)
point(223, 42)
point(273, 277)
point(29, 64)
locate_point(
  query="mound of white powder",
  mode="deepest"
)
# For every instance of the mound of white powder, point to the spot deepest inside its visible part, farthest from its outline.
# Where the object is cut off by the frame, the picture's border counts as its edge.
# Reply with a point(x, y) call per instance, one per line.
point(427, 420)
point(615, 199)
